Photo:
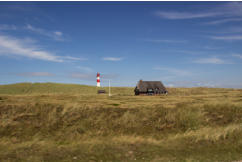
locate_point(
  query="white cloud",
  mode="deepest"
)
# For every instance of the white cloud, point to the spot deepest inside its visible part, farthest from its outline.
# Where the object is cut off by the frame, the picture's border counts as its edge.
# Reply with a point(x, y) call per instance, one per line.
point(112, 59)
point(184, 15)
point(174, 71)
point(164, 41)
point(227, 38)
point(18, 47)
point(228, 34)
point(206, 84)
point(56, 35)
point(234, 30)
point(71, 58)
point(88, 69)
point(211, 47)
point(11, 46)
point(170, 85)
point(192, 83)
point(211, 60)
point(230, 9)
point(238, 56)
point(36, 74)
point(217, 22)
point(7, 27)
point(84, 76)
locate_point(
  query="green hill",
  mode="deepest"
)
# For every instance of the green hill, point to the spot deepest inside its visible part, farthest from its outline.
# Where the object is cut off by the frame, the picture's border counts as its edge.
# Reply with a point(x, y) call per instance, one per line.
point(57, 88)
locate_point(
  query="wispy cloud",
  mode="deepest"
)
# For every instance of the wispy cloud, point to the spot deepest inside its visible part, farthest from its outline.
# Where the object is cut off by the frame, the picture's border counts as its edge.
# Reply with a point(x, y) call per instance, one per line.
point(207, 83)
point(230, 9)
point(84, 76)
point(211, 60)
point(112, 58)
point(234, 30)
point(22, 7)
point(227, 38)
point(84, 68)
point(36, 74)
point(11, 46)
point(174, 71)
point(56, 35)
point(71, 58)
point(184, 15)
point(212, 47)
point(238, 56)
point(228, 31)
point(7, 27)
point(223, 21)
point(164, 41)
point(18, 47)
point(233, 33)
point(191, 83)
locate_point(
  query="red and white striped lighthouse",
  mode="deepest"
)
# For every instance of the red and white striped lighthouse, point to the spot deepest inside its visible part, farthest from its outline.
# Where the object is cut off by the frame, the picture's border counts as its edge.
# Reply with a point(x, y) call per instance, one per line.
point(98, 79)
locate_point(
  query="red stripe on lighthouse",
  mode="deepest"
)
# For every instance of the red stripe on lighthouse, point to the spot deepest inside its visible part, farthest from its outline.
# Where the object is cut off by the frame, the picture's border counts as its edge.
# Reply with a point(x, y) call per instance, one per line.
point(98, 79)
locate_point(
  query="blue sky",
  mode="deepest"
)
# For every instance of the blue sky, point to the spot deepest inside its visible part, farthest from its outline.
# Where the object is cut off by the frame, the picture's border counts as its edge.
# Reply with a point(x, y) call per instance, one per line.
point(183, 44)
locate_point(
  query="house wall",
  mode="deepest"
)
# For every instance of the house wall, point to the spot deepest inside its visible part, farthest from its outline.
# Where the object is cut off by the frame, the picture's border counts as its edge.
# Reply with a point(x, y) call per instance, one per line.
point(145, 93)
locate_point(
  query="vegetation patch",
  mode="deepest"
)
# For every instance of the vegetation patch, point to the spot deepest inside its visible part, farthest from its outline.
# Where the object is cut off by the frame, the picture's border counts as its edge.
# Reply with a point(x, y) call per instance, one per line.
point(115, 104)
point(79, 125)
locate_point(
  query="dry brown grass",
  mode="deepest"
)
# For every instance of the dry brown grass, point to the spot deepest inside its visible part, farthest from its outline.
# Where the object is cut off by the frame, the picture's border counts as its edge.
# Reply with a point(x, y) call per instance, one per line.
point(188, 124)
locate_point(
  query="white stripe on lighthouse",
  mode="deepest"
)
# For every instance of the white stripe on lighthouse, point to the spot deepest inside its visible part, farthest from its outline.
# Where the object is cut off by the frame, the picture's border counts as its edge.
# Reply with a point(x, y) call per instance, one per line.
point(98, 80)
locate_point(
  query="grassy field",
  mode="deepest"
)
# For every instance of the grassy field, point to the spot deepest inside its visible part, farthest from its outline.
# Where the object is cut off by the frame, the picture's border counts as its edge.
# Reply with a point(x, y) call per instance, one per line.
point(67, 122)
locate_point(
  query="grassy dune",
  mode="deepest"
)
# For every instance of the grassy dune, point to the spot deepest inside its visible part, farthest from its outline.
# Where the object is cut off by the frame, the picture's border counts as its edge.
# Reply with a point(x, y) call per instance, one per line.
point(57, 88)
point(66, 122)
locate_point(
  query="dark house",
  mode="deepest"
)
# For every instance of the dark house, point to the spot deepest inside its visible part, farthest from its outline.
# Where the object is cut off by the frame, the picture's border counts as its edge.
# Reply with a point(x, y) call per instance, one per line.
point(150, 88)
point(101, 91)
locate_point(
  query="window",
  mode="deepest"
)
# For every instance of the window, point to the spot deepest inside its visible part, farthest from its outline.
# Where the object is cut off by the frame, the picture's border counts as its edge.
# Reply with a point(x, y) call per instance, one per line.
point(150, 91)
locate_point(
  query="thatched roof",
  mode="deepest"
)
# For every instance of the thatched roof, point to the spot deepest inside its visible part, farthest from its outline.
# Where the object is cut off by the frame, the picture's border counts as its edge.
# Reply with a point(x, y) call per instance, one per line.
point(142, 86)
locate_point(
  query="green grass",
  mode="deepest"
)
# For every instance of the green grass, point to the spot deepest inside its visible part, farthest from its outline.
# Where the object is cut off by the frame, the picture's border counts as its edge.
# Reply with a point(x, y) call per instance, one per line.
point(57, 88)
point(67, 122)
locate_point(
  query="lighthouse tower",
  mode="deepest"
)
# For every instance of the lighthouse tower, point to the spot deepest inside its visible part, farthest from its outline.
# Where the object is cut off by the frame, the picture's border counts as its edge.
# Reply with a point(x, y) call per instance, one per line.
point(98, 79)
